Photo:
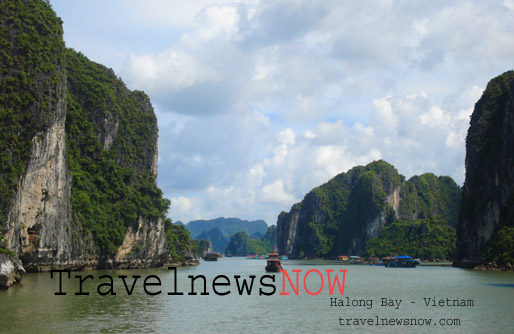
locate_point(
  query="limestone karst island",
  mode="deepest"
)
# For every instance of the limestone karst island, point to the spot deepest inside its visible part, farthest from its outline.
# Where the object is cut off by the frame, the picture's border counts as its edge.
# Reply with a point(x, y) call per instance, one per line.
point(79, 166)
point(79, 196)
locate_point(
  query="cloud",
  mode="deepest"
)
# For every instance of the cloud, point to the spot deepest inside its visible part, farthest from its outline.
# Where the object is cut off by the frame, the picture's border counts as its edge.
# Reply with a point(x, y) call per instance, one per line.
point(260, 101)
point(337, 85)
point(274, 193)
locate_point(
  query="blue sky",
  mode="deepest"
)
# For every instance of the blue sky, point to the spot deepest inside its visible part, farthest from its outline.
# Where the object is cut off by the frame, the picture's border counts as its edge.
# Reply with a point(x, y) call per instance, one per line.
point(260, 101)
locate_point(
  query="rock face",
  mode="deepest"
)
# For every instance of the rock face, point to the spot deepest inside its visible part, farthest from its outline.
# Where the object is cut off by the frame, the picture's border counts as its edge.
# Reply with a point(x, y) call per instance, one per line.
point(36, 214)
point(204, 247)
point(487, 209)
point(341, 215)
point(78, 155)
point(10, 271)
point(218, 239)
point(242, 245)
point(238, 244)
point(37, 224)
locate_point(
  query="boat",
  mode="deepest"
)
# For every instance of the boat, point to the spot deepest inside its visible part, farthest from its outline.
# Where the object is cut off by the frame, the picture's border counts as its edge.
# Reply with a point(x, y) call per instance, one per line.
point(211, 256)
point(402, 261)
point(283, 257)
point(273, 264)
point(356, 259)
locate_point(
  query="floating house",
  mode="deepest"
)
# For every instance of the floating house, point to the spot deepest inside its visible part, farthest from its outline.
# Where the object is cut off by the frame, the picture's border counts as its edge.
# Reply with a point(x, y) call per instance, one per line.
point(402, 261)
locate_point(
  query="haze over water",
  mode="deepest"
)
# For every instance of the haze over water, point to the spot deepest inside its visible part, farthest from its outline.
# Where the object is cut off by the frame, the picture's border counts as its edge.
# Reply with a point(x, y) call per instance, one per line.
point(32, 306)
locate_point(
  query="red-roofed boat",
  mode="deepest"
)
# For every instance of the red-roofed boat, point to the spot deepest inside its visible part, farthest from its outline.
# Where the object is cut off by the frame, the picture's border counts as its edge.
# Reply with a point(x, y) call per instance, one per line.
point(273, 264)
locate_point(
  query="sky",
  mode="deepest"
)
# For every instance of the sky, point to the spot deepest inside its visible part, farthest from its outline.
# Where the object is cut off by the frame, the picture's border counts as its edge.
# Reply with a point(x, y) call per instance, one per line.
point(258, 102)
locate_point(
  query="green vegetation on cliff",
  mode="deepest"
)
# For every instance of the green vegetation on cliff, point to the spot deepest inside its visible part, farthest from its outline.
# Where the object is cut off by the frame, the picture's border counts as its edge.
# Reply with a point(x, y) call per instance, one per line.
point(422, 238)
point(242, 245)
point(31, 67)
point(486, 218)
point(348, 199)
point(3, 250)
point(500, 249)
point(179, 240)
point(111, 186)
point(429, 196)
point(111, 135)
point(339, 216)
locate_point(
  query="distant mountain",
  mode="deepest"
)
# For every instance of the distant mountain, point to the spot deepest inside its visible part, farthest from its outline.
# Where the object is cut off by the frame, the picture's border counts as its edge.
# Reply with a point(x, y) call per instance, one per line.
point(228, 225)
point(219, 239)
point(242, 245)
point(218, 231)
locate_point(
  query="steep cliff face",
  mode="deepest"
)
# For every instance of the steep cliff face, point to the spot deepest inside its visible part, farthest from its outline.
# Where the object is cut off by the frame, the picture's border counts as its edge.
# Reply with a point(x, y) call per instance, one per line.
point(36, 180)
point(219, 239)
point(341, 215)
point(238, 244)
point(242, 245)
point(487, 210)
point(78, 154)
point(204, 247)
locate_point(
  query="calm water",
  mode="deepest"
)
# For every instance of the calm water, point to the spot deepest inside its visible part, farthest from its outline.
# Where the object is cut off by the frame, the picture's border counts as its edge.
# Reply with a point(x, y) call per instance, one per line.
point(32, 307)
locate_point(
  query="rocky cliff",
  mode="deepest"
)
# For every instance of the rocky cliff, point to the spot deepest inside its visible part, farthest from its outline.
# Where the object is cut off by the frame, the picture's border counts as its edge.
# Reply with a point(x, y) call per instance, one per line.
point(485, 231)
point(78, 154)
point(341, 215)
point(242, 245)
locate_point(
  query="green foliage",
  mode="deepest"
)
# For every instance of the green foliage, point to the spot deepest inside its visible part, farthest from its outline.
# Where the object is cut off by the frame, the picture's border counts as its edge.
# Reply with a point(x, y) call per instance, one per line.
point(489, 163)
point(264, 245)
point(111, 187)
point(238, 244)
point(241, 245)
point(338, 209)
point(4, 250)
point(179, 240)
point(422, 238)
point(335, 216)
point(485, 135)
point(500, 248)
point(203, 246)
point(429, 196)
point(484, 144)
point(111, 132)
point(31, 72)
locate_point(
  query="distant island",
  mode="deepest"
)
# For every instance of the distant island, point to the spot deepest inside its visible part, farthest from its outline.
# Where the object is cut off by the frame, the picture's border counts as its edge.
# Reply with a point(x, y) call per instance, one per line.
point(234, 236)
point(372, 209)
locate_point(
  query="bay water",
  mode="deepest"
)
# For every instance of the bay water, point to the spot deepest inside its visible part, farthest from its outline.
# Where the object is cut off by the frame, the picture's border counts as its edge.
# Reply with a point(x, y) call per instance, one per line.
point(375, 300)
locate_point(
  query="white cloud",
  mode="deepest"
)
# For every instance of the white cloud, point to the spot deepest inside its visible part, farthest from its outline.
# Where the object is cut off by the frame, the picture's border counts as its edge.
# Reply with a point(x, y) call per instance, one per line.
point(275, 194)
point(260, 101)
